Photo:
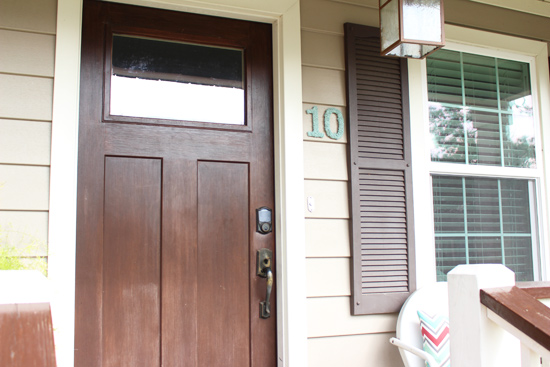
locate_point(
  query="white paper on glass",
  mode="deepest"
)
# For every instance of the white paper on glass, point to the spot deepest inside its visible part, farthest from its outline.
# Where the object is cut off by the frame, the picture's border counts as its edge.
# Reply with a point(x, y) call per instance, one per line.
point(176, 101)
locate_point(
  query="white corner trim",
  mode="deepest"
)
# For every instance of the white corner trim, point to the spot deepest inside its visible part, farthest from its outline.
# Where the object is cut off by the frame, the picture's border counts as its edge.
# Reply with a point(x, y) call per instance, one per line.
point(543, 88)
point(289, 168)
point(422, 193)
point(292, 326)
point(62, 215)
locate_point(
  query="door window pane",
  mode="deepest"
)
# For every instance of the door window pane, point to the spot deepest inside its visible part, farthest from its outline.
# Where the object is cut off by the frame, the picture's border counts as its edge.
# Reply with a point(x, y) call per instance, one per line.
point(483, 221)
point(481, 110)
point(177, 81)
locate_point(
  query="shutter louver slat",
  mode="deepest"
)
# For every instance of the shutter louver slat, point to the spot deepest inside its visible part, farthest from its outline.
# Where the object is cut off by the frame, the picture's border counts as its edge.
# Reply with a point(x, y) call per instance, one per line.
point(380, 175)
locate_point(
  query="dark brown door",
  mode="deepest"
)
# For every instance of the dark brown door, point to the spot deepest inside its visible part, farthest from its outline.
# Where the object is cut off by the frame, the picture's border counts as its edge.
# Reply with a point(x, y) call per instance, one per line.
point(175, 156)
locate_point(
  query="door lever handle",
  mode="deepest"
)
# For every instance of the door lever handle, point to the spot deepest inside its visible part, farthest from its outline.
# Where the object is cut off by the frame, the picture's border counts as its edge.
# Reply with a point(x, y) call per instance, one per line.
point(265, 306)
point(263, 269)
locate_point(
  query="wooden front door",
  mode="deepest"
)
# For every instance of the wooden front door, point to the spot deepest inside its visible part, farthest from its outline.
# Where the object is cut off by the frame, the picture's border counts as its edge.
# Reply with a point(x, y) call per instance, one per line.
point(175, 156)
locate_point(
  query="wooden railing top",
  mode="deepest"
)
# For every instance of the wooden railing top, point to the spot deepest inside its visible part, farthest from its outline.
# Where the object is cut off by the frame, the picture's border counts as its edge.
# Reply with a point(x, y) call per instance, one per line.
point(520, 307)
point(27, 335)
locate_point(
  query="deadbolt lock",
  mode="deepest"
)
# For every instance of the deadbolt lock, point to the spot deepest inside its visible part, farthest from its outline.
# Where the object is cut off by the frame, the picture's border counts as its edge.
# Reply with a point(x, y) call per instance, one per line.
point(264, 223)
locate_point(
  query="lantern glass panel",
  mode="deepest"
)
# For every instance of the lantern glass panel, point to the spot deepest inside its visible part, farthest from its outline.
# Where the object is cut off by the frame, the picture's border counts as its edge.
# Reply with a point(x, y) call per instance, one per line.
point(389, 23)
point(411, 50)
point(422, 20)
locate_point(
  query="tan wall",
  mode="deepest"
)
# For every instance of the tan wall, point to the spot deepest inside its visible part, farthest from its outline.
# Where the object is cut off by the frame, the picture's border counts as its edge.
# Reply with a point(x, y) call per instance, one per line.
point(496, 19)
point(27, 44)
point(336, 337)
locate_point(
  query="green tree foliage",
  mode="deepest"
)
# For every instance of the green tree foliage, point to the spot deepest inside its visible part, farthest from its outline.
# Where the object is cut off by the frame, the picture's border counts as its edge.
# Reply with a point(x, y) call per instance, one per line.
point(20, 256)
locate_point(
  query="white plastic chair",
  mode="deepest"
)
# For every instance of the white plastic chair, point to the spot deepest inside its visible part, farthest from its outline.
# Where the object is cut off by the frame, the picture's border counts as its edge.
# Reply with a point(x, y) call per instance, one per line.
point(430, 299)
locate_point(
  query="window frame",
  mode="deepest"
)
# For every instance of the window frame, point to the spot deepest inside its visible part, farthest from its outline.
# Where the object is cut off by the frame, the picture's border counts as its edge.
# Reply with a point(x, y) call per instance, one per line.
point(534, 53)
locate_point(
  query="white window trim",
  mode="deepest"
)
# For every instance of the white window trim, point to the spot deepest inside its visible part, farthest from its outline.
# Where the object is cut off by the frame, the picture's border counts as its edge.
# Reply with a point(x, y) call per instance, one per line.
point(291, 277)
point(496, 45)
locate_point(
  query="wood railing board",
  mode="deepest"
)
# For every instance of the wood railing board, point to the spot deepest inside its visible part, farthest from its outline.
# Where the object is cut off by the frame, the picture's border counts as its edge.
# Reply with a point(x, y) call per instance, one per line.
point(536, 289)
point(26, 335)
point(521, 310)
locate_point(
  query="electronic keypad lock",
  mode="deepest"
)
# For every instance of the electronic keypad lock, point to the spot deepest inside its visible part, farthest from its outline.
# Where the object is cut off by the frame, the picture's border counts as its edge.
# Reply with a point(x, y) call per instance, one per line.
point(263, 220)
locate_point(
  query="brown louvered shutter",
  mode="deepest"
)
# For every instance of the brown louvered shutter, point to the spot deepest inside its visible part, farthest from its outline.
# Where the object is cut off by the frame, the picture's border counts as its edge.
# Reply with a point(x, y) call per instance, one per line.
point(380, 175)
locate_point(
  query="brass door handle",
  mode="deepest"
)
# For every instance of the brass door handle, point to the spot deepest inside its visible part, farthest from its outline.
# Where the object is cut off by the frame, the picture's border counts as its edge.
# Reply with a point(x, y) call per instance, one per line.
point(265, 306)
point(263, 269)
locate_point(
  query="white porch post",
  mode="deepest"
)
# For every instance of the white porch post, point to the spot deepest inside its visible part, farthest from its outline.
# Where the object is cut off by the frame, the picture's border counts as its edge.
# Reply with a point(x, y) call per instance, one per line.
point(475, 340)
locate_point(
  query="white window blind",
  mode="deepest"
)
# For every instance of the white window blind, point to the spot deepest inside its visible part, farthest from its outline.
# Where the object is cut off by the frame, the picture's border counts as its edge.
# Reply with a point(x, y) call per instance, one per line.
point(483, 221)
point(481, 110)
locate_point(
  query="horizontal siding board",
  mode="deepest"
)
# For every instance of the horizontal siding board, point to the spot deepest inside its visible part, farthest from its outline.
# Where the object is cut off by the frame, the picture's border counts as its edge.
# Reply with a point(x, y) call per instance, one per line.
point(330, 16)
point(327, 238)
point(25, 142)
point(341, 322)
point(325, 161)
point(315, 46)
point(327, 277)
point(330, 199)
point(25, 97)
point(29, 15)
point(26, 53)
point(354, 351)
point(323, 86)
point(22, 229)
point(24, 187)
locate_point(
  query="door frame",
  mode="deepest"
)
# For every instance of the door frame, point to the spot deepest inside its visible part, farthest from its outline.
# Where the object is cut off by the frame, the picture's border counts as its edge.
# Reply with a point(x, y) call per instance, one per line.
point(289, 168)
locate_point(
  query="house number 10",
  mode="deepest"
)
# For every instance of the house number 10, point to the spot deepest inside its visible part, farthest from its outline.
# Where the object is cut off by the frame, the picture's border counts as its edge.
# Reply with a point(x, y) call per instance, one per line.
point(314, 112)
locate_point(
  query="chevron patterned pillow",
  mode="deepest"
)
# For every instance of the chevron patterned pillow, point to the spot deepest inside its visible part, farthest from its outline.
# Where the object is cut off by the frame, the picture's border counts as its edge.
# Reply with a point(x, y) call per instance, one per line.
point(435, 332)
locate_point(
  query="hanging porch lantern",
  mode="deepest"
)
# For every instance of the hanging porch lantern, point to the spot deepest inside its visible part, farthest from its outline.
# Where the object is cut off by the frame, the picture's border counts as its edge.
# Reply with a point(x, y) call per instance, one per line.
point(411, 28)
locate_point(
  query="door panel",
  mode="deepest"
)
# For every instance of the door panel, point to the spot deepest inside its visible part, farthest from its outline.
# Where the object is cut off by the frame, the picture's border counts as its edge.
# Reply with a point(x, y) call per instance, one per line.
point(179, 263)
point(166, 232)
point(131, 258)
point(223, 297)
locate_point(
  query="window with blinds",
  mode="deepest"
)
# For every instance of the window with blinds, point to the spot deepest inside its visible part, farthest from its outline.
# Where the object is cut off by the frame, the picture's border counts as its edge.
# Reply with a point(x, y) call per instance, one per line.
point(481, 110)
point(483, 221)
point(481, 113)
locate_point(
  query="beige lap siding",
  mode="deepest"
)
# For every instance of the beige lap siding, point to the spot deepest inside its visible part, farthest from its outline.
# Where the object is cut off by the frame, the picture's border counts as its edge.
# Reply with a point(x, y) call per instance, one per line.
point(27, 44)
point(335, 337)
